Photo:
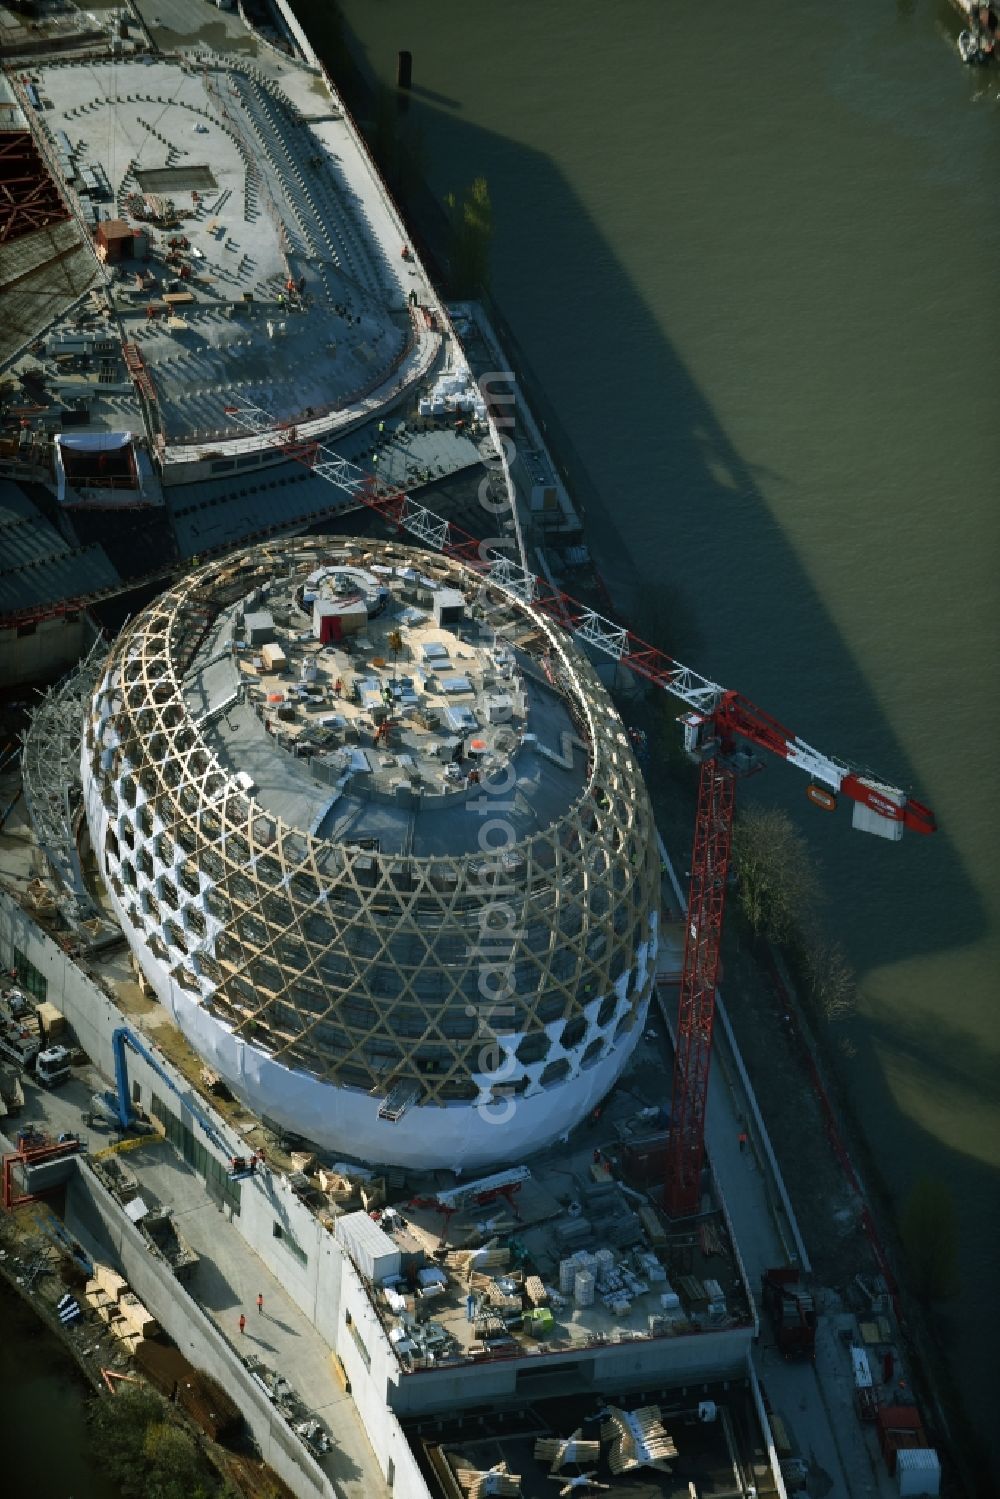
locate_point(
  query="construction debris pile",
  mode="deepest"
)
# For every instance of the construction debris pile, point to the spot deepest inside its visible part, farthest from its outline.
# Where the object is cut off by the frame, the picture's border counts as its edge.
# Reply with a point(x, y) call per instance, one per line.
point(310, 1431)
point(628, 1441)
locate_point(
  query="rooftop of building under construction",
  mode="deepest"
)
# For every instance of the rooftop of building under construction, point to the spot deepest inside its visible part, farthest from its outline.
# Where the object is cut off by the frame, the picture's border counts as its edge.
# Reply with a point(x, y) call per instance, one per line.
point(272, 705)
point(271, 268)
point(649, 1445)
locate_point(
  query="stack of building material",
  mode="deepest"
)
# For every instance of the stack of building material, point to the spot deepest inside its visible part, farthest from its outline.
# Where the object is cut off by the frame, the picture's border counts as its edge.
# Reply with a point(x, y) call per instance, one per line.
point(692, 1289)
point(710, 1240)
point(570, 1231)
point(583, 1288)
point(493, 1294)
point(372, 1193)
point(102, 1291)
point(477, 1484)
point(51, 1020)
point(638, 1439)
point(134, 1323)
point(273, 657)
point(486, 1260)
point(535, 1291)
point(652, 1223)
point(489, 1324)
point(560, 1451)
point(653, 1269)
point(624, 1229)
point(338, 1188)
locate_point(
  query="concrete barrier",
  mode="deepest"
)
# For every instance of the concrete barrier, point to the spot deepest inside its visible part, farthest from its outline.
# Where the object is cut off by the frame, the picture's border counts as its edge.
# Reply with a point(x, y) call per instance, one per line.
point(95, 1218)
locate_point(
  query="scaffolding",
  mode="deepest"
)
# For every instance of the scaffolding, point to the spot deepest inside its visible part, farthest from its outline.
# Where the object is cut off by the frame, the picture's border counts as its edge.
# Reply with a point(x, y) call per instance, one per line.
point(50, 772)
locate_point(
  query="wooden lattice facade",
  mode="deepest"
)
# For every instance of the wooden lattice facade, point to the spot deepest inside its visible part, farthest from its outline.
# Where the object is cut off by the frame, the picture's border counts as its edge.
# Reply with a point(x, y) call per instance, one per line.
point(359, 968)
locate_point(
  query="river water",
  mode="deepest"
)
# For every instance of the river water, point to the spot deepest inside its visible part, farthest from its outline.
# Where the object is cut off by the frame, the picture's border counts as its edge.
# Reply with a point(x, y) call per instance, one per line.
point(750, 254)
point(43, 1400)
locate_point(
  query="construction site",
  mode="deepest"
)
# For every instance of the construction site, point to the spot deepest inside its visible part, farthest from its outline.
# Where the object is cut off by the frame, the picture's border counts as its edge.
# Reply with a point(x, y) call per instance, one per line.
point(312, 717)
point(182, 232)
point(356, 1037)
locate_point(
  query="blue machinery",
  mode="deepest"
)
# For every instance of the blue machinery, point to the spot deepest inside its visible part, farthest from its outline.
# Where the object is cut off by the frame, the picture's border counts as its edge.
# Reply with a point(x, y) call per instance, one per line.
point(121, 1103)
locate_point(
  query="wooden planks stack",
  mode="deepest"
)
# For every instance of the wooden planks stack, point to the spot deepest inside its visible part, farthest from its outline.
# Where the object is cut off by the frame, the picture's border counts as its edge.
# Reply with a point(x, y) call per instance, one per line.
point(535, 1291)
point(338, 1188)
point(558, 1451)
point(467, 1263)
point(477, 1484)
point(107, 1294)
point(139, 1320)
point(638, 1440)
point(653, 1224)
point(102, 1291)
point(492, 1294)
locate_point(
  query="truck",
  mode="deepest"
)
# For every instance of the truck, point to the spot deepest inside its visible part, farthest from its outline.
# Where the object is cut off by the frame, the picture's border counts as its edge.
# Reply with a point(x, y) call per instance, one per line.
point(11, 1092)
point(52, 1066)
point(19, 1043)
point(792, 1311)
point(163, 1234)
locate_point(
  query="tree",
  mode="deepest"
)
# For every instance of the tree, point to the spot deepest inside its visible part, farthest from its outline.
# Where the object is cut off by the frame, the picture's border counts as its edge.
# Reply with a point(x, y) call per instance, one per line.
point(471, 233)
point(173, 1463)
point(778, 885)
point(119, 1427)
point(831, 982)
point(144, 1451)
point(927, 1228)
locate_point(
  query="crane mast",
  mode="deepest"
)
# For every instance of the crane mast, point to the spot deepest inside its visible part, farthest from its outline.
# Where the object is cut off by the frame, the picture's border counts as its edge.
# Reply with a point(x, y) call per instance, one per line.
point(718, 726)
point(713, 843)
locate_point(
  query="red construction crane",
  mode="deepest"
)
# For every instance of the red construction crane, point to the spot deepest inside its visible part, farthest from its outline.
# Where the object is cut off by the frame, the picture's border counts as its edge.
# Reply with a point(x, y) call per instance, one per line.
point(719, 726)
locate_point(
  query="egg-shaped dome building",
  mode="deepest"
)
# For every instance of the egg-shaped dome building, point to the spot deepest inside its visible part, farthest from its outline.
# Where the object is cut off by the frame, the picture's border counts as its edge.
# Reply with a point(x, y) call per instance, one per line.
point(376, 836)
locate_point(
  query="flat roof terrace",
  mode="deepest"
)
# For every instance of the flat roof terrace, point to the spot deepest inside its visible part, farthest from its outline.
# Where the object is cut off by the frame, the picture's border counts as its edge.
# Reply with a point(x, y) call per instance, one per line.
point(302, 721)
point(286, 293)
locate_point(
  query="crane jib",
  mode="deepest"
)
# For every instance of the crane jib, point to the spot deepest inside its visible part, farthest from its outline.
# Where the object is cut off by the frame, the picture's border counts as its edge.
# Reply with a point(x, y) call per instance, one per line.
point(719, 716)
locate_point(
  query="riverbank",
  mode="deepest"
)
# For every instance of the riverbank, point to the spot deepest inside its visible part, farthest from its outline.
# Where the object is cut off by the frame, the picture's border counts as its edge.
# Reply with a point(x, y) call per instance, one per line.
point(47, 1383)
point(51, 1374)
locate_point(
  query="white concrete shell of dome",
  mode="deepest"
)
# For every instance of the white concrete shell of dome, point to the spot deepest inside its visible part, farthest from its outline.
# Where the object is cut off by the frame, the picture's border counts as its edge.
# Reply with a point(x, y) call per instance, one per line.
point(325, 975)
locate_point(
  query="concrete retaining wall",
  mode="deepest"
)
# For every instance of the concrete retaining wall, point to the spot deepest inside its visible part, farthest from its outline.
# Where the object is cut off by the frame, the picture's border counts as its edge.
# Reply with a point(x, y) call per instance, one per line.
point(94, 1217)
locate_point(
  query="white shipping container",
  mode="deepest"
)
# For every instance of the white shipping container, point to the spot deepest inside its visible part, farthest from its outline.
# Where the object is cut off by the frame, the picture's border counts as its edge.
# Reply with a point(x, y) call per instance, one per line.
point(918, 1471)
point(371, 1249)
